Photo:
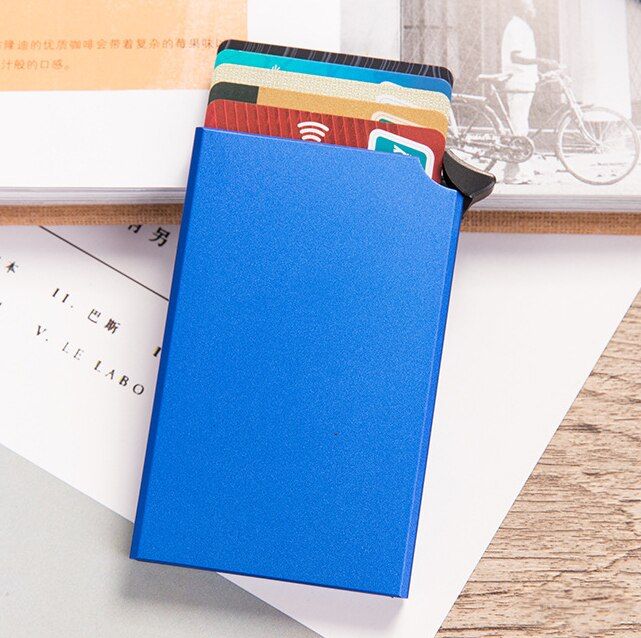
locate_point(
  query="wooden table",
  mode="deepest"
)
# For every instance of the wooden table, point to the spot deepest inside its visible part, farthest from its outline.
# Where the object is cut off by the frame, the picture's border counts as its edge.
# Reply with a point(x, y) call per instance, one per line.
point(566, 561)
point(483, 221)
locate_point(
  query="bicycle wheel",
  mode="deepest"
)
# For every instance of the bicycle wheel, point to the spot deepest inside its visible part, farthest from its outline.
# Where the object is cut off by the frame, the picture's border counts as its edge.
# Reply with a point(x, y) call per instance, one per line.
point(474, 134)
point(601, 149)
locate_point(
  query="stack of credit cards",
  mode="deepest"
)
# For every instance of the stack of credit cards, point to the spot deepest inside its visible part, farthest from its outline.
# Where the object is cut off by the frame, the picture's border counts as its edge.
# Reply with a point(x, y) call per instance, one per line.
point(332, 98)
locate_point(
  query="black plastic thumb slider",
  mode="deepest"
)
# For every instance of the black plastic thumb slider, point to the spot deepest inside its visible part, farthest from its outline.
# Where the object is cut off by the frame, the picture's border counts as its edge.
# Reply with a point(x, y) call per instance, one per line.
point(471, 182)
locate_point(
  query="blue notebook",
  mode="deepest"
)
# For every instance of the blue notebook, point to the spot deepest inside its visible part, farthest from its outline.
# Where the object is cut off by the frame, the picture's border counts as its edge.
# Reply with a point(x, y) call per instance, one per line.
point(298, 376)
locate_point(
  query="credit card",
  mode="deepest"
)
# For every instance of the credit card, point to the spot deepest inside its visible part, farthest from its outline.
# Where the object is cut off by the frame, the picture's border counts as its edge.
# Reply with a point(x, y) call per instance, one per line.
point(386, 92)
point(426, 145)
point(330, 105)
point(330, 70)
point(396, 66)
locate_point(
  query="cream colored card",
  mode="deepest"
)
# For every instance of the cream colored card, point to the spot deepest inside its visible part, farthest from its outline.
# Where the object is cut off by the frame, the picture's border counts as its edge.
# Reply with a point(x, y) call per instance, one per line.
point(383, 93)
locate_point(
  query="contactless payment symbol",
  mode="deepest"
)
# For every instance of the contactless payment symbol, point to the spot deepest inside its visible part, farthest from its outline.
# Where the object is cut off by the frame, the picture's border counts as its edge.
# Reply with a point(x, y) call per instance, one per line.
point(312, 131)
point(380, 140)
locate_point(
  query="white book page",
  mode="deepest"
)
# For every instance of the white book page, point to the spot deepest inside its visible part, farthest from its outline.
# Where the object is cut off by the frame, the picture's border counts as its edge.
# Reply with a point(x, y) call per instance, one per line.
point(133, 139)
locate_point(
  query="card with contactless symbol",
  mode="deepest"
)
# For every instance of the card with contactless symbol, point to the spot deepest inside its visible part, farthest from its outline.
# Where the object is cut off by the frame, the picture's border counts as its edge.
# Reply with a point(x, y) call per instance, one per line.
point(397, 66)
point(328, 69)
point(425, 144)
point(331, 105)
point(385, 92)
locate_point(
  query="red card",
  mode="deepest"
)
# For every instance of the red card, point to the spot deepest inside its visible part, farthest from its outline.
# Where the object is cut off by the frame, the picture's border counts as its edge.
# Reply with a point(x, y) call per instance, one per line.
point(428, 145)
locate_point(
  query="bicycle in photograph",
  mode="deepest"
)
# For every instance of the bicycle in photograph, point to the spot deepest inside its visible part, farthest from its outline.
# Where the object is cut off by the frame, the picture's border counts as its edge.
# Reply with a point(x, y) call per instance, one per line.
point(594, 144)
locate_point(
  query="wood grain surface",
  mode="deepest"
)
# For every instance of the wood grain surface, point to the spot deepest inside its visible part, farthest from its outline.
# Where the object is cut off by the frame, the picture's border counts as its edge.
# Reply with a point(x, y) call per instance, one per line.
point(480, 221)
point(566, 561)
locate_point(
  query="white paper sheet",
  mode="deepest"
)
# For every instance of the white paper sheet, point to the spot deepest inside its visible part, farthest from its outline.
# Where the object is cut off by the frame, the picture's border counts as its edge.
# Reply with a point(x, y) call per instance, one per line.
point(529, 317)
point(59, 408)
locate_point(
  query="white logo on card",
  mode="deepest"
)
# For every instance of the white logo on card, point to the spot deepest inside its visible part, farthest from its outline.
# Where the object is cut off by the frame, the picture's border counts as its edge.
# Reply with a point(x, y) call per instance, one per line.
point(312, 131)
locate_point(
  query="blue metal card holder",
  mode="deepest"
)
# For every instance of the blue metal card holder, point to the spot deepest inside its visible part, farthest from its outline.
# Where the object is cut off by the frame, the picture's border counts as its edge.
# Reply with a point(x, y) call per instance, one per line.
point(300, 362)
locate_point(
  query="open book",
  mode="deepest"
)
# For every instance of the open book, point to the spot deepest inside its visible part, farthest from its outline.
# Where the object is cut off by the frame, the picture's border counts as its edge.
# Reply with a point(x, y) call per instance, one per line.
point(100, 104)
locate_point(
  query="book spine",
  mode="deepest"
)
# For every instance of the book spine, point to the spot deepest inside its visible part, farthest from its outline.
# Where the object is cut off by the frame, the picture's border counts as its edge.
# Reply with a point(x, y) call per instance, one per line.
point(166, 347)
